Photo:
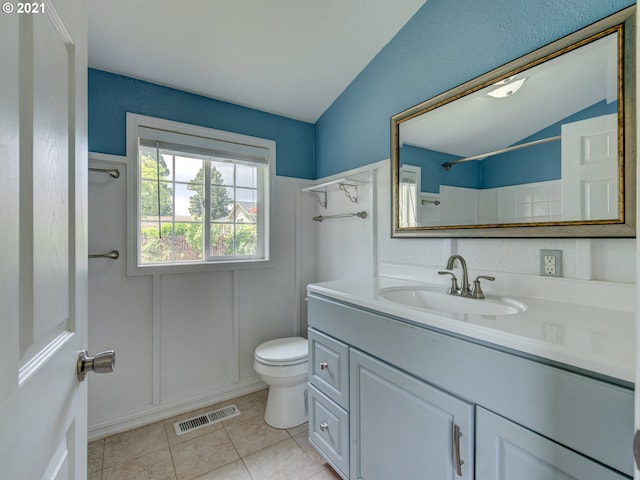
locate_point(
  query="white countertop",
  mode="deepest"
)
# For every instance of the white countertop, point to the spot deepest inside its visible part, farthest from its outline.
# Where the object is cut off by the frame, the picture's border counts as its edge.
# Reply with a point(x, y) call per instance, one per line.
point(588, 337)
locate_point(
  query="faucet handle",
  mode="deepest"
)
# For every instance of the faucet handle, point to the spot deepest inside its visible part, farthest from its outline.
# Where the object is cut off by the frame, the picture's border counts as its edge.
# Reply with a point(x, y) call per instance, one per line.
point(454, 289)
point(477, 289)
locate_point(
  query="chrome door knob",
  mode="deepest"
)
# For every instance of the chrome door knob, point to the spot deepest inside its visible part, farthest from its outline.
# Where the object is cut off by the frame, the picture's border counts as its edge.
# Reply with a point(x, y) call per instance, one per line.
point(323, 365)
point(103, 362)
point(324, 426)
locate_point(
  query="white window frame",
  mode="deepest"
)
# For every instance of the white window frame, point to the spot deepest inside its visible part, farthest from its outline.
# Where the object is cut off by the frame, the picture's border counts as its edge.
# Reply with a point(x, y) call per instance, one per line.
point(134, 122)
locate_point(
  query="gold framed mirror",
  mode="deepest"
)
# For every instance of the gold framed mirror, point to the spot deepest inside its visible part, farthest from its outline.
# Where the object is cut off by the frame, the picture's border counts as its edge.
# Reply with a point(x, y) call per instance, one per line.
point(544, 146)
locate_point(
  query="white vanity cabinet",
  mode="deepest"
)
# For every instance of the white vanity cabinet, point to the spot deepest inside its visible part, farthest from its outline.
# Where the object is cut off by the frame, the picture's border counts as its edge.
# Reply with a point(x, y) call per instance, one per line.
point(329, 399)
point(410, 387)
point(402, 427)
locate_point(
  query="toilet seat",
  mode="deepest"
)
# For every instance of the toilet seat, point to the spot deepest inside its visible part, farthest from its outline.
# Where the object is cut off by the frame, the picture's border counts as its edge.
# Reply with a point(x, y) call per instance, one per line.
point(283, 365)
point(283, 351)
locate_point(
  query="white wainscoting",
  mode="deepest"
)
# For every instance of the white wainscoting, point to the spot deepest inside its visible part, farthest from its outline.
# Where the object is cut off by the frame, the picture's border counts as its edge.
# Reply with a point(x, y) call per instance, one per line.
point(345, 247)
point(530, 202)
point(184, 341)
point(347, 252)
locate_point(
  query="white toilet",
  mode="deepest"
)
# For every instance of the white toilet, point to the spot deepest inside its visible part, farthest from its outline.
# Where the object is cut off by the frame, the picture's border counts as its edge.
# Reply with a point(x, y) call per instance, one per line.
point(282, 364)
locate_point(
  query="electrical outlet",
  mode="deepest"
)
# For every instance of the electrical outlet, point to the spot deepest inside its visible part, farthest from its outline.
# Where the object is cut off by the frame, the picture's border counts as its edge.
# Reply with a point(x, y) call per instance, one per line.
point(550, 333)
point(551, 263)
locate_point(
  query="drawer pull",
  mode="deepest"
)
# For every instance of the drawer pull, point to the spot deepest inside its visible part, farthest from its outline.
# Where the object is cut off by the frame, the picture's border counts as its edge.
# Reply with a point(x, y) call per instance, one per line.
point(324, 365)
point(457, 462)
point(324, 426)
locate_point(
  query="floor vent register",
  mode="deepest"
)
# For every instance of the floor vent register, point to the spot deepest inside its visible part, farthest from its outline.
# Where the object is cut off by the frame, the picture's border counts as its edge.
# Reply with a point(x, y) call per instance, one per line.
point(210, 418)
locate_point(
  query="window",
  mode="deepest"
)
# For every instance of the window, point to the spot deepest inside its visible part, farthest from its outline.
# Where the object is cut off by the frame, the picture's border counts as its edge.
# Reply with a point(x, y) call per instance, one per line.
point(201, 197)
point(409, 191)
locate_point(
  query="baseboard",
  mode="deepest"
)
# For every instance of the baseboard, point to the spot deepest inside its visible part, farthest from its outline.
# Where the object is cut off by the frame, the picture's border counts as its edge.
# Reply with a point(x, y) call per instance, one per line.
point(105, 426)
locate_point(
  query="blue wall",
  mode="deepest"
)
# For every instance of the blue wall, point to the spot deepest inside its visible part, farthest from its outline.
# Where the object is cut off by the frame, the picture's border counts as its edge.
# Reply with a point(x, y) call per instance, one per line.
point(445, 44)
point(539, 163)
point(111, 96)
point(433, 175)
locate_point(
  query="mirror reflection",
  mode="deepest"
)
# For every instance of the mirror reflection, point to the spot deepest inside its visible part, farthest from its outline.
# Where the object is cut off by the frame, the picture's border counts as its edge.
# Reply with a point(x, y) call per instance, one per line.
point(539, 145)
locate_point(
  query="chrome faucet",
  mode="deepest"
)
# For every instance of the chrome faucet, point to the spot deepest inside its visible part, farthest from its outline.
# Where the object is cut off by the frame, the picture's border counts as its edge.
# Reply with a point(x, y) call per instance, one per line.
point(464, 290)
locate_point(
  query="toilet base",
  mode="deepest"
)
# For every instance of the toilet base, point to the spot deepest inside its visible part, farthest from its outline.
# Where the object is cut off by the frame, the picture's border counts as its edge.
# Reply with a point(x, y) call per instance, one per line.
point(286, 406)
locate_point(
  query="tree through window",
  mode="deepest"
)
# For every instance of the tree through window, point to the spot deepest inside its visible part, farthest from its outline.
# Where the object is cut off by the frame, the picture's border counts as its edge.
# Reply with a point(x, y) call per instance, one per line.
point(200, 199)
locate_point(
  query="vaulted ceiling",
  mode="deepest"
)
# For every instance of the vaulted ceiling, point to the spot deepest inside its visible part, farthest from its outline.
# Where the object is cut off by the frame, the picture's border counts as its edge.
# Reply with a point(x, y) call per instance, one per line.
point(287, 57)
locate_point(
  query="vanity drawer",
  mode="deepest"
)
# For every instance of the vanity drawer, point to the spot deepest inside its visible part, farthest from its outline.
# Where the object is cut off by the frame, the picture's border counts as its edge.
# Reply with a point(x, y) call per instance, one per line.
point(329, 367)
point(329, 430)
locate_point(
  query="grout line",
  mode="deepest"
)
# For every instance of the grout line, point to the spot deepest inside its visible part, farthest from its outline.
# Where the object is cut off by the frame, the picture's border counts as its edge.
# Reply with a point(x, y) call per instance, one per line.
point(102, 463)
point(222, 424)
point(231, 440)
point(246, 468)
point(173, 462)
point(235, 448)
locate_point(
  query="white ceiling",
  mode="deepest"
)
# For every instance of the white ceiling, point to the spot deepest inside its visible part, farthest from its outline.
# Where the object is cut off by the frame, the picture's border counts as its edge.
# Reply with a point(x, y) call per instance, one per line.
point(287, 57)
point(553, 91)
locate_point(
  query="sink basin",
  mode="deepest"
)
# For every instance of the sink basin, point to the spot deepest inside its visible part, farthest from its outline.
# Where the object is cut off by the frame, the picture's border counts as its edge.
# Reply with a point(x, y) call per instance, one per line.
point(432, 299)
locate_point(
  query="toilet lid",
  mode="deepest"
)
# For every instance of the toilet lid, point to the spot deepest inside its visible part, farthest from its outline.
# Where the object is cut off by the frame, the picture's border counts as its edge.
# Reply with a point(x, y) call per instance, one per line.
point(283, 351)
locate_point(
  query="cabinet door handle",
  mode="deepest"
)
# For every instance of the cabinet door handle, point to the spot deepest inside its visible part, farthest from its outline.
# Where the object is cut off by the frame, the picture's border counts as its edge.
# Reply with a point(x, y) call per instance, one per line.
point(324, 426)
point(457, 462)
point(324, 365)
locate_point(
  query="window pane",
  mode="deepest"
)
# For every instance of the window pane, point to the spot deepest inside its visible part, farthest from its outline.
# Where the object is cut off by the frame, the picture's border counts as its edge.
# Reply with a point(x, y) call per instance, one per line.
point(149, 167)
point(149, 200)
point(189, 170)
point(154, 249)
point(246, 176)
point(246, 239)
point(166, 165)
point(177, 201)
point(221, 204)
point(146, 151)
point(179, 242)
point(187, 242)
point(222, 239)
point(189, 200)
point(221, 173)
point(246, 206)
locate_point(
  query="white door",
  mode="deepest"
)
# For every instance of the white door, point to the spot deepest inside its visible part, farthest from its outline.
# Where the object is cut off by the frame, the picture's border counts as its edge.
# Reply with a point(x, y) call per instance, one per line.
point(590, 169)
point(43, 259)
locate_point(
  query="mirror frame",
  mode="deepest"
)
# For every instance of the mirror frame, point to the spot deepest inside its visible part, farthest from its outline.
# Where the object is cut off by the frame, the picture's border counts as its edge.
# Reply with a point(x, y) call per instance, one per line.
point(624, 23)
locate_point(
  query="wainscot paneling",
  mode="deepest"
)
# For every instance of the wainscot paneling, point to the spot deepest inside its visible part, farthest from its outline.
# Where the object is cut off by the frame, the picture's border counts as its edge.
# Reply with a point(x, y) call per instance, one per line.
point(186, 341)
point(345, 247)
point(345, 250)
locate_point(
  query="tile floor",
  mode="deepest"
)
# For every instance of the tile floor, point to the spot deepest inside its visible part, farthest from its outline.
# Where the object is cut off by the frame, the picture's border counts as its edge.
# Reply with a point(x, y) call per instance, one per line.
point(239, 448)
